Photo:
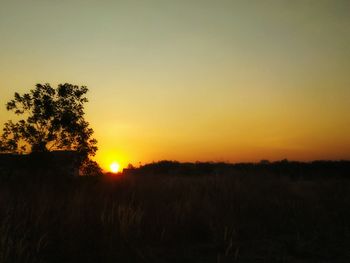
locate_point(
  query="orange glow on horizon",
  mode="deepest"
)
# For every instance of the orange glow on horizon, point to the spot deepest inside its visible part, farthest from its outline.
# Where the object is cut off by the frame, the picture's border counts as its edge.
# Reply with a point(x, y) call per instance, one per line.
point(105, 158)
point(238, 81)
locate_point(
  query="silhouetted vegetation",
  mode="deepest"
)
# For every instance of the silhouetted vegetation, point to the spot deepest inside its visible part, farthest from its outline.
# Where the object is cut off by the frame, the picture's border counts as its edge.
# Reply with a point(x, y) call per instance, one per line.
point(53, 119)
point(305, 170)
point(225, 213)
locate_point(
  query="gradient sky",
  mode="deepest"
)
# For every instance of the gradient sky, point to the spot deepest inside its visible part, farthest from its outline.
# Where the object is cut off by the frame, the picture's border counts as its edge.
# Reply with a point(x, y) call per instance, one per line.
point(191, 80)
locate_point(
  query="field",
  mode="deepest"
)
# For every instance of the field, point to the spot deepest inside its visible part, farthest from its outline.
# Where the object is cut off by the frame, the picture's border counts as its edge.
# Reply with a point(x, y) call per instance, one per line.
point(239, 217)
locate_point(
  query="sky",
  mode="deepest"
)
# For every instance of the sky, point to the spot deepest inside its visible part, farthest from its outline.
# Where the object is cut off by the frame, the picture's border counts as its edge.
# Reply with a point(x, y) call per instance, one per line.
point(187, 80)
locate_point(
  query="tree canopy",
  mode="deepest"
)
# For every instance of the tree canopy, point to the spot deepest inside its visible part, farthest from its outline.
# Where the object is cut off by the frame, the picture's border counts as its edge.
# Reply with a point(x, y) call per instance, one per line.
point(52, 119)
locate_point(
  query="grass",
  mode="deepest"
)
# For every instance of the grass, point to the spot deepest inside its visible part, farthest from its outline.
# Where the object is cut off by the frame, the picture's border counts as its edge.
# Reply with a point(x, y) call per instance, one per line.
point(227, 218)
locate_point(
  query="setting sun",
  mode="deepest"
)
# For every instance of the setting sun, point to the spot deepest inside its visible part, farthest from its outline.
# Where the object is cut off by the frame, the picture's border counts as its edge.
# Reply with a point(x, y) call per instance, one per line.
point(115, 167)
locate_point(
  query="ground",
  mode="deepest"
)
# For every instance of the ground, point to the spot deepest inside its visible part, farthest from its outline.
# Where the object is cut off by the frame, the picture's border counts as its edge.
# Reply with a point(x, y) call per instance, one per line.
point(174, 218)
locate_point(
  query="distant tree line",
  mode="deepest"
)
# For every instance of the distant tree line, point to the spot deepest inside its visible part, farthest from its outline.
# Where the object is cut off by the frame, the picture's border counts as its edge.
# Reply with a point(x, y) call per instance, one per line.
point(283, 168)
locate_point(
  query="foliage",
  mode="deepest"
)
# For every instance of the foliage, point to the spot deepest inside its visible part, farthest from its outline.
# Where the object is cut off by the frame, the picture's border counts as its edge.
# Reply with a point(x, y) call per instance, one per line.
point(53, 120)
point(90, 168)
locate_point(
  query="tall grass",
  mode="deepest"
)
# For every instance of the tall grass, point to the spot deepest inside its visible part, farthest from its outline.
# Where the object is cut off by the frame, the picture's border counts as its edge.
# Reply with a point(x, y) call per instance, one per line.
point(240, 218)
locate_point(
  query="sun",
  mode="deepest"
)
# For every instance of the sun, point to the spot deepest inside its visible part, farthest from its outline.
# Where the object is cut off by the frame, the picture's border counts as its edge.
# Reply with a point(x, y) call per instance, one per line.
point(115, 167)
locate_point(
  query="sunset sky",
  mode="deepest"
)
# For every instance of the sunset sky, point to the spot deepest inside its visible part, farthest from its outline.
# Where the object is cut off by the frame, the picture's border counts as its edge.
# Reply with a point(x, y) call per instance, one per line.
point(191, 80)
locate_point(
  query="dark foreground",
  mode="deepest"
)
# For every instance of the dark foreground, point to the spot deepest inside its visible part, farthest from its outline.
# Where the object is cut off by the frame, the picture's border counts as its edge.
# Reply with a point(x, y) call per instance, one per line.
point(216, 218)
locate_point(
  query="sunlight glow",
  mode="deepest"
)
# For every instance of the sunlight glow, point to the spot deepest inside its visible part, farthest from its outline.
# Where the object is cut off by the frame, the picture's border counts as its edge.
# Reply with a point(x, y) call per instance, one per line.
point(115, 167)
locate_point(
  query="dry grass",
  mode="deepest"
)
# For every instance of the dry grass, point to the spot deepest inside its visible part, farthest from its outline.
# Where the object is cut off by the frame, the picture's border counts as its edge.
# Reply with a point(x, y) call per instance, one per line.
point(241, 218)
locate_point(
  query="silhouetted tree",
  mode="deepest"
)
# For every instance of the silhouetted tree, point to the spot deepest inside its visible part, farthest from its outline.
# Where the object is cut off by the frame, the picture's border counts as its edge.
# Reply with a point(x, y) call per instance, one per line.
point(53, 120)
point(90, 168)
